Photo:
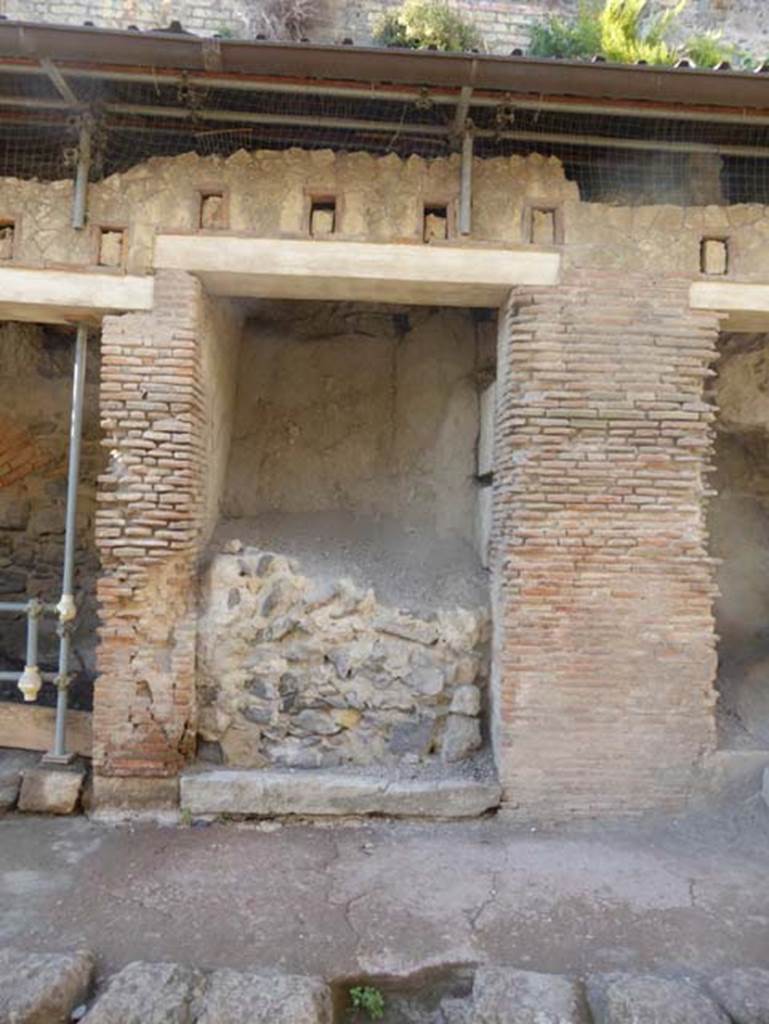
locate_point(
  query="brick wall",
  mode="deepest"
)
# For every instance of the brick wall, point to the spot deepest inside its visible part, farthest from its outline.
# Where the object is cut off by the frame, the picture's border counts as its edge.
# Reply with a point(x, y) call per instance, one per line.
point(148, 531)
point(605, 639)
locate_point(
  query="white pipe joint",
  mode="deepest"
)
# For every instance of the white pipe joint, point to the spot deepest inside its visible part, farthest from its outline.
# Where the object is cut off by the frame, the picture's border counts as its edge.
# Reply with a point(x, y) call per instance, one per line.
point(66, 608)
point(30, 682)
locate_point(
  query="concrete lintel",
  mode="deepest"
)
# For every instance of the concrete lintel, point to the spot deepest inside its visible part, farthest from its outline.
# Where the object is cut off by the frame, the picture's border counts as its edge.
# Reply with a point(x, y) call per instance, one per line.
point(64, 296)
point(354, 271)
point(742, 307)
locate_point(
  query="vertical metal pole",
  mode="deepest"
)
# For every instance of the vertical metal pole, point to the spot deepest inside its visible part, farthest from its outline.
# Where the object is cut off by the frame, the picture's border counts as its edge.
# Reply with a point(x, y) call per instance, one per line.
point(66, 606)
point(82, 172)
point(466, 184)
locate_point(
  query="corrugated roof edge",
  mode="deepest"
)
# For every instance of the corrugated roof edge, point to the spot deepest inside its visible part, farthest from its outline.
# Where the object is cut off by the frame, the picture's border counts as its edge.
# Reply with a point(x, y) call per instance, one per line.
point(681, 86)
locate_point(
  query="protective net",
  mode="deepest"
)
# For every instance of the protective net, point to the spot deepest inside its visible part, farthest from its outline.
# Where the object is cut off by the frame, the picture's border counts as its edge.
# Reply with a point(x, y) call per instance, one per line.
point(628, 158)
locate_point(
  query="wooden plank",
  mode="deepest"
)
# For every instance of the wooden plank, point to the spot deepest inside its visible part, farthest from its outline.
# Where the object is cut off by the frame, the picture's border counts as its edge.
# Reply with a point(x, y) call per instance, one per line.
point(30, 727)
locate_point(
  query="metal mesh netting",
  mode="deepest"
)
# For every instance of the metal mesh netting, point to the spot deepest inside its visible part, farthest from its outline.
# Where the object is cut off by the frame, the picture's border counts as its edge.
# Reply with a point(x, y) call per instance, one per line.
point(626, 158)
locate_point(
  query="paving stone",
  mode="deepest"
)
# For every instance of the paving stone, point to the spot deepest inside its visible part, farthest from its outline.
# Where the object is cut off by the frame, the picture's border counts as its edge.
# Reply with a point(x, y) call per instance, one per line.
point(621, 998)
point(37, 988)
point(145, 993)
point(263, 793)
point(505, 996)
point(233, 997)
point(744, 994)
point(51, 790)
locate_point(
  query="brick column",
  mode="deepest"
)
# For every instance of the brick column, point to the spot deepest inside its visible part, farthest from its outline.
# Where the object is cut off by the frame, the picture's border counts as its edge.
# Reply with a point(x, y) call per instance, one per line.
point(605, 644)
point(148, 529)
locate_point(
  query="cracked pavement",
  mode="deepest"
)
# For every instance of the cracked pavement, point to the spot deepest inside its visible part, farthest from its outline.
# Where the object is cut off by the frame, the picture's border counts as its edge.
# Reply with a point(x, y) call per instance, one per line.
point(388, 898)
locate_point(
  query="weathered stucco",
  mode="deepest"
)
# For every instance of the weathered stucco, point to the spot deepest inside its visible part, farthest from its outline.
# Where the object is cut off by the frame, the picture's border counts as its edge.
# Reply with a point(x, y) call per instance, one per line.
point(358, 409)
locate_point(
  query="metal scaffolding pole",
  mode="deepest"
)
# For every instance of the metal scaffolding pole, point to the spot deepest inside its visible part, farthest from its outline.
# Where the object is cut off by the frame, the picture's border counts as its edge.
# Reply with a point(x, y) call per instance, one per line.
point(66, 606)
point(82, 172)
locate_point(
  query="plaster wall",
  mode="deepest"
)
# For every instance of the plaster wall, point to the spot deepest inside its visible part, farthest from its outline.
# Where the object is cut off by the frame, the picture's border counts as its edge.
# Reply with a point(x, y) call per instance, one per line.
point(345, 408)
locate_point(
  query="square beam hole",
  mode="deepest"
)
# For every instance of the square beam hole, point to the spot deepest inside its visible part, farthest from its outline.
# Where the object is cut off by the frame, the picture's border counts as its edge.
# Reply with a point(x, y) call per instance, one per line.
point(111, 247)
point(542, 226)
point(435, 222)
point(212, 214)
point(7, 234)
point(714, 256)
point(322, 216)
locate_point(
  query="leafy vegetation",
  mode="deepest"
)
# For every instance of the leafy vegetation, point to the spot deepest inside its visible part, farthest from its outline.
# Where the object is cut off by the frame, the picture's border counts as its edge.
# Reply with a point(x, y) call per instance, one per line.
point(368, 1000)
point(623, 31)
point(427, 24)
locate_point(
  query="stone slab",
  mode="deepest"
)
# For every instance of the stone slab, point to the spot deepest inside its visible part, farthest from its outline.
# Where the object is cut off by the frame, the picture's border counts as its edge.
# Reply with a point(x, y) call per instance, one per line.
point(148, 993)
point(42, 988)
point(234, 997)
point(744, 994)
point(51, 790)
point(267, 794)
point(505, 996)
point(621, 998)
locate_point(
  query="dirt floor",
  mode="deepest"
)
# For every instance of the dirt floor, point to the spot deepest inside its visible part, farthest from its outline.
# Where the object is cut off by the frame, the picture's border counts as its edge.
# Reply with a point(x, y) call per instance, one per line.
point(384, 898)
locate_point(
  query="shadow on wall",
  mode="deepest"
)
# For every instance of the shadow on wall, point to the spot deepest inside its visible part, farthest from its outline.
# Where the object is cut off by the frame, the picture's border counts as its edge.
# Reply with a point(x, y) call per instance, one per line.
point(738, 522)
point(36, 383)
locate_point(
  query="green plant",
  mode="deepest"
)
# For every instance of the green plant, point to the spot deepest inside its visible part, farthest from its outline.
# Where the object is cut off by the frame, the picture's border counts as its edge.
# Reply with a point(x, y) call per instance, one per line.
point(369, 1000)
point(625, 32)
point(427, 24)
point(567, 37)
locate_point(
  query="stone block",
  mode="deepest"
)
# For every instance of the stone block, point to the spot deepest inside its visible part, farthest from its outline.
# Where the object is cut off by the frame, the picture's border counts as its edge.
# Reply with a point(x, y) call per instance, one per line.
point(233, 997)
point(51, 790)
point(144, 993)
point(14, 513)
point(543, 227)
point(322, 221)
point(461, 738)
point(12, 765)
point(42, 988)
point(714, 256)
point(620, 998)
point(111, 249)
point(323, 793)
point(505, 996)
point(212, 212)
point(744, 994)
point(117, 793)
point(436, 227)
point(466, 700)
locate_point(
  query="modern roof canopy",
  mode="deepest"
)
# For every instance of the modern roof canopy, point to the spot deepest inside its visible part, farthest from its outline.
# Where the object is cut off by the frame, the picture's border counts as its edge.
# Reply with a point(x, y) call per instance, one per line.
point(153, 93)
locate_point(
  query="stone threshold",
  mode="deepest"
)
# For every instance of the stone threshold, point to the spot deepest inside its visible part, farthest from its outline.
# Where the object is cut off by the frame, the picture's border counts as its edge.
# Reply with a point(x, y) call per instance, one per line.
point(260, 793)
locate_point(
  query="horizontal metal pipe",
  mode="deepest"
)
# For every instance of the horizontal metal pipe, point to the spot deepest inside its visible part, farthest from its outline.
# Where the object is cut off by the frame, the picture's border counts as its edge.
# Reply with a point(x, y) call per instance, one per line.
point(598, 141)
point(290, 120)
point(23, 606)
point(14, 677)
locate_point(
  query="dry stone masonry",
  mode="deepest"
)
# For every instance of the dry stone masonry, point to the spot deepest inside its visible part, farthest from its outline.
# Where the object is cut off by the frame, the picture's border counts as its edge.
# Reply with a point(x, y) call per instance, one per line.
point(305, 673)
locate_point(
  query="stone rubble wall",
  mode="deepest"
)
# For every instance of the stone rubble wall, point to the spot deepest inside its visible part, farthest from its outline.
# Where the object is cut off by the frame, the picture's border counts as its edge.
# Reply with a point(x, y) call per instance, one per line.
point(36, 383)
point(267, 194)
point(504, 24)
point(605, 645)
point(305, 673)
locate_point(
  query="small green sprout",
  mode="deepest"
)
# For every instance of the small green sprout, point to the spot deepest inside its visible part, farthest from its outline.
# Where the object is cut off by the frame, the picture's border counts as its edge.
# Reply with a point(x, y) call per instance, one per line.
point(369, 1000)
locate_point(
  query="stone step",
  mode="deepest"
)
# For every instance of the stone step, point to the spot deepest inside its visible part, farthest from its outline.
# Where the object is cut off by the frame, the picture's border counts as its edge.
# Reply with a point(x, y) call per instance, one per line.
point(310, 793)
